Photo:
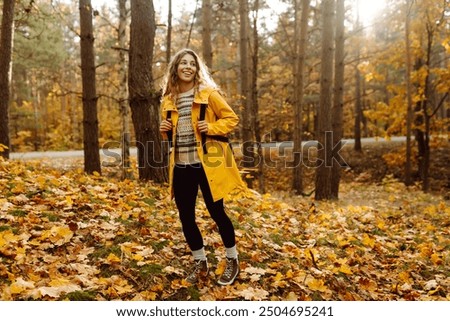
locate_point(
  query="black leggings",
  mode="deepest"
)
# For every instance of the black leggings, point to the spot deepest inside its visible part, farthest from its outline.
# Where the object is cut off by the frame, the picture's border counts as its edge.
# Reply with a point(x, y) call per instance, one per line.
point(186, 180)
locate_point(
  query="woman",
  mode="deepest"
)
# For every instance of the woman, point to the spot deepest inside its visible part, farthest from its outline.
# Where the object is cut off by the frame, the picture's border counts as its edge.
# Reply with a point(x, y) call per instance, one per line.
point(200, 157)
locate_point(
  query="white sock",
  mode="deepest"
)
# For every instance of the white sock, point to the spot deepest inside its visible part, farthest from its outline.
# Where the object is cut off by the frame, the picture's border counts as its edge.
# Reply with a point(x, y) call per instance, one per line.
point(231, 252)
point(199, 254)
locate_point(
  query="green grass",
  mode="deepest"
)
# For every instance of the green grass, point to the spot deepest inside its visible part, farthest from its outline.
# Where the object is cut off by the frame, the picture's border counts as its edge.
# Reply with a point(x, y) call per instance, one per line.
point(149, 201)
point(4, 228)
point(80, 296)
point(123, 239)
point(52, 217)
point(104, 251)
point(18, 213)
point(148, 270)
point(277, 239)
point(159, 245)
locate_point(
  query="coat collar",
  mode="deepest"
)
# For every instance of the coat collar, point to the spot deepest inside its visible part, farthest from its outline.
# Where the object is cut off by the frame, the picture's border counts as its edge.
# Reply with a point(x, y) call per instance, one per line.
point(201, 97)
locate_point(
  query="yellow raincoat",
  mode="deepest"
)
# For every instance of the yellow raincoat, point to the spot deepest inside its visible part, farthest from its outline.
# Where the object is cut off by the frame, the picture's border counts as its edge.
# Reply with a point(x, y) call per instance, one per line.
point(219, 163)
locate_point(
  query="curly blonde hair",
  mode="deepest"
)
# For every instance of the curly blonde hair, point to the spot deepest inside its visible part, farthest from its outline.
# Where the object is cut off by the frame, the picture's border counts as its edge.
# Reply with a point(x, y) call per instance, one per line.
point(202, 76)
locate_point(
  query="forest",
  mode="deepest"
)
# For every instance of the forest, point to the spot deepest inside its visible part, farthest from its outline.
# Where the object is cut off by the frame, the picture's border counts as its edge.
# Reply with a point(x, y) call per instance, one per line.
point(343, 143)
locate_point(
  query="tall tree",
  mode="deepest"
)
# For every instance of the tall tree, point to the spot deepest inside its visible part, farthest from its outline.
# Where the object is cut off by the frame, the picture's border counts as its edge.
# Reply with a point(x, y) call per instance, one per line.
point(426, 107)
point(247, 136)
point(338, 104)
point(206, 33)
point(6, 41)
point(324, 127)
point(169, 33)
point(144, 99)
point(409, 111)
point(123, 90)
point(255, 120)
point(88, 71)
point(358, 101)
point(299, 70)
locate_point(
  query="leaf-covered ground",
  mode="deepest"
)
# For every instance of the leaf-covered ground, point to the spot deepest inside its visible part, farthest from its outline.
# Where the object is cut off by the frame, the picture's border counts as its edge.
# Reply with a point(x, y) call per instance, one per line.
point(68, 236)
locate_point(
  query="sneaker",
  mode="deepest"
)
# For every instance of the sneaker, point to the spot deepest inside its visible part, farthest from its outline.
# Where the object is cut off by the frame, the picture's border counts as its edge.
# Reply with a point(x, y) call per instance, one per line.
point(200, 270)
point(231, 272)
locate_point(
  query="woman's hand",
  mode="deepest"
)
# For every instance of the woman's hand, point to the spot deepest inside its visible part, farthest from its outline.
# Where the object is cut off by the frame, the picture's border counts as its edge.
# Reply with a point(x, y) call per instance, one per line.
point(165, 126)
point(202, 126)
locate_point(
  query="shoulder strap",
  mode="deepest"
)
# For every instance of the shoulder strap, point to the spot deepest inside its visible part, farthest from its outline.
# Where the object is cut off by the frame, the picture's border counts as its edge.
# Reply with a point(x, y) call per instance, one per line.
point(202, 117)
point(203, 111)
point(170, 132)
point(215, 137)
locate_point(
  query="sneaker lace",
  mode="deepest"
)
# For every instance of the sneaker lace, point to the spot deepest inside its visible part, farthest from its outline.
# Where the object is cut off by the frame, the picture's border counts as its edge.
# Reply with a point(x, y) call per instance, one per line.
point(197, 268)
point(228, 269)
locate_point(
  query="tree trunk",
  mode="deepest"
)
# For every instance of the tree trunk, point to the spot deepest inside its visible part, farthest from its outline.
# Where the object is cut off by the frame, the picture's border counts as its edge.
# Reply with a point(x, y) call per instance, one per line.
point(299, 66)
point(324, 127)
point(409, 111)
point(6, 43)
point(248, 148)
point(169, 33)
point(206, 33)
point(424, 149)
point(419, 121)
point(144, 100)
point(90, 121)
point(338, 105)
point(358, 109)
point(123, 100)
point(254, 94)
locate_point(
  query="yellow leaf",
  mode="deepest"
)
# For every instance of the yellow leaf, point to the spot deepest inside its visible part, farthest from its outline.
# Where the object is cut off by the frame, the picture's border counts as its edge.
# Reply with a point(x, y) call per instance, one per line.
point(316, 285)
point(41, 181)
point(436, 259)
point(59, 282)
point(123, 289)
point(147, 295)
point(381, 225)
point(432, 292)
point(404, 277)
point(426, 250)
point(157, 287)
point(7, 237)
point(367, 241)
point(291, 297)
point(65, 232)
point(69, 200)
point(19, 188)
point(138, 257)
point(58, 235)
point(289, 274)
point(345, 269)
point(369, 77)
point(278, 277)
point(34, 277)
point(112, 258)
point(20, 285)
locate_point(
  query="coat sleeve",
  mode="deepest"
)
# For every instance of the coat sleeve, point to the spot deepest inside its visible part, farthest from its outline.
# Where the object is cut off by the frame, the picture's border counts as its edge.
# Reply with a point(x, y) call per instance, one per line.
point(226, 119)
point(163, 113)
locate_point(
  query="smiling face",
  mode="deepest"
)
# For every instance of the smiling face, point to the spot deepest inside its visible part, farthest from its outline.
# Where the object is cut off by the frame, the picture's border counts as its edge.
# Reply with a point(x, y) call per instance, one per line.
point(186, 71)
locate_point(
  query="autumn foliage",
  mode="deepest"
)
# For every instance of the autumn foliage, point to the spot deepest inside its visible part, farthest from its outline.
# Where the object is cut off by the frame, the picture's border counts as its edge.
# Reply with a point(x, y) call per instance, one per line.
point(65, 235)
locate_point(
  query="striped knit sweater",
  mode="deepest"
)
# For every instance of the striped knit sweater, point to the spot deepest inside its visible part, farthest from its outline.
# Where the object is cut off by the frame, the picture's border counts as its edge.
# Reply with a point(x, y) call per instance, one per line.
point(186, 144)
